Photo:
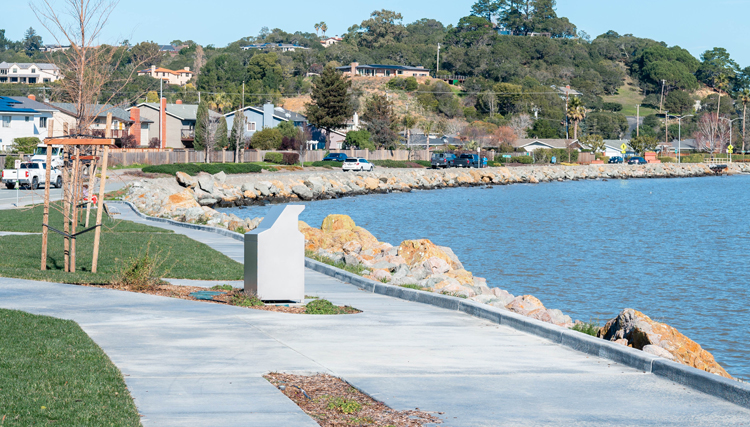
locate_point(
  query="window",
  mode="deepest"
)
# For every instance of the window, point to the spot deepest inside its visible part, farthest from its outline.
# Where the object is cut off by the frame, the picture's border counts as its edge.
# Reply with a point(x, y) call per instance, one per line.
point(27, 118)
point(144, 126)
point(15, 70)
point(46, 80)
point(33, 71)
point(43, 122)
point(6, 121)
point(251, 126)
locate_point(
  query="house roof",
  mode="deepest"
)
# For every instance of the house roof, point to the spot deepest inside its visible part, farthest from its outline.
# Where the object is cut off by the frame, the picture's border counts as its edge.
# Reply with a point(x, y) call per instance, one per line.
point(27, 65)
point(420, 139)
point(166, 48)
point(566, 91)
point(551, 143)
point(271, 45)
point(165, 70)
point(25, 102)
point(9, 105)
point(178, 111)
point(117, 112)
point(383, 67)
point(278, 112)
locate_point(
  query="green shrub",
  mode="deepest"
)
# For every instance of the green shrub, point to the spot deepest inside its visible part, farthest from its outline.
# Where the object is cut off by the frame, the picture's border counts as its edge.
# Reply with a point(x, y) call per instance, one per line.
point(344, 405)
point(328, 165)
point(526, 160)
point(323, 306)
point(588, 328)
point(140, 272)
point(267, 139)
point(25, 145)
point(241, 299)
point(227, 288)
point(290, 158)
point(10, 161)
point(212, 168)
point(276, 158)
point(668, 159)
point(397, 164)
point(693, 158)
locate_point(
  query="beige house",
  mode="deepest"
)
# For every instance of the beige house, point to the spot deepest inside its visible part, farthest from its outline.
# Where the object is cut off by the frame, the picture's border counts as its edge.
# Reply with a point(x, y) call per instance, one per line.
point(179, 77)
point(177, 122)
point(355, 69)
point(63, 121)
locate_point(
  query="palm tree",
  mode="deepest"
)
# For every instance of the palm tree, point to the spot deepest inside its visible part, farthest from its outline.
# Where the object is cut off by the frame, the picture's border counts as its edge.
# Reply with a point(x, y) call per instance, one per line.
point(744, 98)
point(317, 28)
point(576, 113)
point(720, 83)
point(426, 127)
point(323, 28)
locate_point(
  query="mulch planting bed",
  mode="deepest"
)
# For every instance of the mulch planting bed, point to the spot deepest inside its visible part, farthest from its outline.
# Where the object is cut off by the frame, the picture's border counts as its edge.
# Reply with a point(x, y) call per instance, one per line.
point(332, 402)
point(183, 292)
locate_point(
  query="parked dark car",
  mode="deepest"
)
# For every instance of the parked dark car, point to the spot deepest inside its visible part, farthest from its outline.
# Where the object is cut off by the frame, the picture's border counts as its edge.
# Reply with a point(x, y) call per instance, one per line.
point(442, 160)
point(467, 161)
point(615, 159)
point(335, 157)
point(637, 161)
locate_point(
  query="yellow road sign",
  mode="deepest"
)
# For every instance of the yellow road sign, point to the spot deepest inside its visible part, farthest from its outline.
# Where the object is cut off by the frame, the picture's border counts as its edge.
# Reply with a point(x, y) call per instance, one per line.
point(623, 147)
point(730, 149)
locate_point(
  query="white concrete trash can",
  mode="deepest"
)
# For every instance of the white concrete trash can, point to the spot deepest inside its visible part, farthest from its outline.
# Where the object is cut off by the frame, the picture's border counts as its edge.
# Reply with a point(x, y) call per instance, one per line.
point(275, 256)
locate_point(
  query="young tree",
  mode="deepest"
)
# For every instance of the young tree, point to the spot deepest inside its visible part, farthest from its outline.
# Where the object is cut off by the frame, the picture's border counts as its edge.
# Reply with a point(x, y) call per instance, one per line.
point(237, 137)
point(360, 139)
point(595, 142)
point(505, 136)
point(267, 139)
point(520, 124)
point(330, 106)
point(643, 143)
point(378, 118)
point(205, 130)
point(408, 121)
point(222, 134)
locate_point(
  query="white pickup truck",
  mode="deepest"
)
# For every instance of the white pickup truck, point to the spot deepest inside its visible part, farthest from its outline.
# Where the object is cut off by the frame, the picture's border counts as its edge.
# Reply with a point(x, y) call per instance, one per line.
point(40, 154)
point(31, 175)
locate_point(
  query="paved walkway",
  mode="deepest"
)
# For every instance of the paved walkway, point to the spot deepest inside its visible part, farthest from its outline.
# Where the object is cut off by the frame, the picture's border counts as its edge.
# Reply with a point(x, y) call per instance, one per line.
point(190, 363)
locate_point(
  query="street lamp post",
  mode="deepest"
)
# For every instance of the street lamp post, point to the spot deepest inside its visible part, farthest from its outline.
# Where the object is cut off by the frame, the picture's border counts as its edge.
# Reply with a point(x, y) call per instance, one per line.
point(730, 131)
point(679, 136)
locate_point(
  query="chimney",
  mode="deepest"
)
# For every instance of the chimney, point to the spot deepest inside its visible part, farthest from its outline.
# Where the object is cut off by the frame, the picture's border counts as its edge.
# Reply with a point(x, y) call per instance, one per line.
point(163, 123)
point(355, 121)
point(187, 68)
point(153, 68)
point(267, 115)
point(354, 68)
point(32, 97)
point(178, 102)
point(135, 128)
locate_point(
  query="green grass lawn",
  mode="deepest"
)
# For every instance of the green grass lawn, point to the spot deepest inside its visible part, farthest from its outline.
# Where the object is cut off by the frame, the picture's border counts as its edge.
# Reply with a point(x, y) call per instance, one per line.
point(629, 96)
point(121, 241)
point(52, 373)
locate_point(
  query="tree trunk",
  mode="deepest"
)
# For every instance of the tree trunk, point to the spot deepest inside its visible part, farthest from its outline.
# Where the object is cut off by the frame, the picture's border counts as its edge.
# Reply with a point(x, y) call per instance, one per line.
point(328, 139)
point(744, 116)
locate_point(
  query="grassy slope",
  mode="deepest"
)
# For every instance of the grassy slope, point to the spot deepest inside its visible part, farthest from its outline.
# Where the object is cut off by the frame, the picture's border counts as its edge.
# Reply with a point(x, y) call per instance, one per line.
point(121, 241)
point(52, 373)
point(629, 96)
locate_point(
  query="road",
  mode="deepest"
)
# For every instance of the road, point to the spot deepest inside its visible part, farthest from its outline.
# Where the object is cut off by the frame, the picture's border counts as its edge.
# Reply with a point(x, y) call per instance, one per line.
point(10, 199)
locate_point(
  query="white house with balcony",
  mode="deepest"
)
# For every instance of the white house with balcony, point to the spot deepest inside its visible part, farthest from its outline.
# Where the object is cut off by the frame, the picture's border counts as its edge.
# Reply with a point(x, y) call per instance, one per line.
point(22, 118)
point(28, 73)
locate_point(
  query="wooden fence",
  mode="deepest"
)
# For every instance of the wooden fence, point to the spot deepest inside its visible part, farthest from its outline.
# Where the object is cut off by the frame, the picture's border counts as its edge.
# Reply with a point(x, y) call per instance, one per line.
point(127, 157)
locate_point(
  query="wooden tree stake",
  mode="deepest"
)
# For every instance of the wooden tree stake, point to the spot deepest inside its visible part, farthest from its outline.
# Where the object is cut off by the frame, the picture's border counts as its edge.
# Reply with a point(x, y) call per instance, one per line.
point(45, 220)
point(100, 208)
point(74, 215)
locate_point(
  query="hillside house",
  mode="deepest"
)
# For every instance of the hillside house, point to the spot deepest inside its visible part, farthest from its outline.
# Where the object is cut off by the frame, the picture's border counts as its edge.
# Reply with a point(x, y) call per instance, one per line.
point(28, 73)
point(64, 120)
point(284, 47)
point(330, 41)
point(179, 77)
point(178, 120)
point(355, 69)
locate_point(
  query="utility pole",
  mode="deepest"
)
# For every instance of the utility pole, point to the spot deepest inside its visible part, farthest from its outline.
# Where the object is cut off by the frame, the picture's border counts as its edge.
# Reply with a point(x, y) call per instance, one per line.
point(666, 128)
point(637, 120)
point(437, 68)
point(661, 102)
point(567, 130)
point(161, 113)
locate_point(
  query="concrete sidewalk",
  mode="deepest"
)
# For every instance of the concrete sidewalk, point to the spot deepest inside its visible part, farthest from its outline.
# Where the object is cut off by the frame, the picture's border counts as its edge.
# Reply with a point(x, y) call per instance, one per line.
point(194, 363)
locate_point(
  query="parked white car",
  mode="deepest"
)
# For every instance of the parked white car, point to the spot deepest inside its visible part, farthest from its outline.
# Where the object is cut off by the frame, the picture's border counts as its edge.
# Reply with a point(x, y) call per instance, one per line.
point(356, 164)
point(31, 175)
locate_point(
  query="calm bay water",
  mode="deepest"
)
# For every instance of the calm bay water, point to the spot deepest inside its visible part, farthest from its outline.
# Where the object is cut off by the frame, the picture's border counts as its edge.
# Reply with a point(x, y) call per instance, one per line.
point(674, 249)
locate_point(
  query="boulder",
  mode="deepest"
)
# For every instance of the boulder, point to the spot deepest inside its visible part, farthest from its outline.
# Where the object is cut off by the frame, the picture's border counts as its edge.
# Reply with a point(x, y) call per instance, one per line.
point(525, 304)
point(640, 331)
point(382, 275)
point(351, 260)
point(303, 192)
point(352, 247)
point(262, 187)
point(656, 351)
point(333, 223)
point(248, 186)
point(436, 265)
point(455, 263)
point(220, 177)
point(416, 252)
point(182, 200)
point(186, 180)
point(206, 182)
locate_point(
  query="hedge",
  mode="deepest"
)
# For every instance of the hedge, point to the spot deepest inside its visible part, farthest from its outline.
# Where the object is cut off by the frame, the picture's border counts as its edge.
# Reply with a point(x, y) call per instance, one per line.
point(290, 158)
point(400, 164)
point(212, 168)
point(274, 158)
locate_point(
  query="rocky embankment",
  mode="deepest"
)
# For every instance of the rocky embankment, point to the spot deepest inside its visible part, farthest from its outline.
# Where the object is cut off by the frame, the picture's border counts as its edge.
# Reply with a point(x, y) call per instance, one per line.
point(171, 198)
point(415, 263)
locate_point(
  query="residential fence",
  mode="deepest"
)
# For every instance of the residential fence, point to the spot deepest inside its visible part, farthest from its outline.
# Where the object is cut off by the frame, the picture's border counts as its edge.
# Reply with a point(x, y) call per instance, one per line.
point(146, 156)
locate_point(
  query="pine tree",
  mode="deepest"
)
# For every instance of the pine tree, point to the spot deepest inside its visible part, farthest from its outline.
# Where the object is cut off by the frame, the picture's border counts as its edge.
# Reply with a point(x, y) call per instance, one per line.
point(378, 117)
point(222, 134)
point(330, 107)
point(237, 137)
point(200, 126)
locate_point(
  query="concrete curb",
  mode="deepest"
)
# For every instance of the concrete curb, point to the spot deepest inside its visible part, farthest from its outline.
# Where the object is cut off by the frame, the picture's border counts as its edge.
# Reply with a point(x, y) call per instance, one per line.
point(220, 231)
point(713, 385)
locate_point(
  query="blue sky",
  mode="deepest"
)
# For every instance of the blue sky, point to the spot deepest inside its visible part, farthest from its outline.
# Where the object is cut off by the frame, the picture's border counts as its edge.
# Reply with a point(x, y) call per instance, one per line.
point(694, 25)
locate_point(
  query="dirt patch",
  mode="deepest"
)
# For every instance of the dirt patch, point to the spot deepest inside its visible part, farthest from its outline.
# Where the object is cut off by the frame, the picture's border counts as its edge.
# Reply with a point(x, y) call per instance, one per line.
point(332, 402)
point(226, 297)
